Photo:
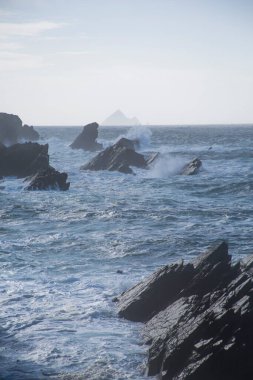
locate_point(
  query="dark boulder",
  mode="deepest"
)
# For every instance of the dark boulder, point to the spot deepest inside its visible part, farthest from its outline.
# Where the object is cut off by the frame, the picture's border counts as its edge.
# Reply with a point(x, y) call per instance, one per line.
point(48, 179)
point(118, 157)
point(192, 167)
point(12, 131)
point(87, 138)
point(198, 318)
point(22, 160)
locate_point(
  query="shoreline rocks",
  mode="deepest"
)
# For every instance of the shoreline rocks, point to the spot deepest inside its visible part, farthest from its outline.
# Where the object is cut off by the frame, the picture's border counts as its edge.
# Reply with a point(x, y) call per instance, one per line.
point(86, 140)
point(12, 131)
point(198, 317)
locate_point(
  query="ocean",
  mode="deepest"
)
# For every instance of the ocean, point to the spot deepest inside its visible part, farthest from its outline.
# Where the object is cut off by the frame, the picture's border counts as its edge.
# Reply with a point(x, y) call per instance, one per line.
point(61, 252)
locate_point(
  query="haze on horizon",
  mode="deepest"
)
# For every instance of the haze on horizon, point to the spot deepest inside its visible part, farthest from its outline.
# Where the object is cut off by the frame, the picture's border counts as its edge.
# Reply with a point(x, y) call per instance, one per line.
point(163, 61)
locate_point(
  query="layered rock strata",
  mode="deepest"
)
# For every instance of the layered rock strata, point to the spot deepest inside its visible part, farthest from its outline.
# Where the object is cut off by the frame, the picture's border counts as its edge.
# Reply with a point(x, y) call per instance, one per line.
point(198, 318)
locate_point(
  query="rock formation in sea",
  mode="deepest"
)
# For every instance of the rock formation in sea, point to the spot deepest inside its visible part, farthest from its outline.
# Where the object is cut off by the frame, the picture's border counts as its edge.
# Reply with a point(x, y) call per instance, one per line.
point(87, 138)
point(192, 167)
point(198, 317)
point(12, 131)
point(118, 157)
point(48, 179)
point(31, 160)
point(22, 160)
point(118, 119)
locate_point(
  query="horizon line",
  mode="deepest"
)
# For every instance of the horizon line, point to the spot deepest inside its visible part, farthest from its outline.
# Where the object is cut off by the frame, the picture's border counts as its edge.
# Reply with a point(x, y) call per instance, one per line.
point(147, 125)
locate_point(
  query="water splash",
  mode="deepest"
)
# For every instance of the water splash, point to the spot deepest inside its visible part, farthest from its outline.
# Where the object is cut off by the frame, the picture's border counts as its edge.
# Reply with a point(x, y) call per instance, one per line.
point(166, 166)
point(142, 134)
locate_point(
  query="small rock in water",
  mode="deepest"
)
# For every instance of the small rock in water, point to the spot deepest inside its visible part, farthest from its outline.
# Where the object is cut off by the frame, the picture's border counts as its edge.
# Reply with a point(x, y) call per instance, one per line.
point(87, 138)
point(192, 167)
point(49, 179)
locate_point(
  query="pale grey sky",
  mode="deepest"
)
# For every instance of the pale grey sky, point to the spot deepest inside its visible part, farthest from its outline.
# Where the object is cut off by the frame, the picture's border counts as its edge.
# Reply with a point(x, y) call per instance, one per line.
point(165, 61)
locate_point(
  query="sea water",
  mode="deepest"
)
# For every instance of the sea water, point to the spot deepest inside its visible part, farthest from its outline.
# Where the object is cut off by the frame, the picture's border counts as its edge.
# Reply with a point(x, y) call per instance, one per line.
point(60, 252)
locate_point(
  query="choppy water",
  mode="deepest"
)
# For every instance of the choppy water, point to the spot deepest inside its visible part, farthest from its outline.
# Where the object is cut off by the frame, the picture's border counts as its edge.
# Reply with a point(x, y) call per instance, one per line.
point(60, 251)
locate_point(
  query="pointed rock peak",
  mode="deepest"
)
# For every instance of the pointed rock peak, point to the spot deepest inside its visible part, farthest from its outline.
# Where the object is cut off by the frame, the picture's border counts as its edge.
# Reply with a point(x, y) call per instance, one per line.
point(118, 118)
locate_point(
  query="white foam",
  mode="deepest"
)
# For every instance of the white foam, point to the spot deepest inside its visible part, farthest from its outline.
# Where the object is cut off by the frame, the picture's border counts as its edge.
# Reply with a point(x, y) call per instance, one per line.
point(142, 134)
point(166, 166)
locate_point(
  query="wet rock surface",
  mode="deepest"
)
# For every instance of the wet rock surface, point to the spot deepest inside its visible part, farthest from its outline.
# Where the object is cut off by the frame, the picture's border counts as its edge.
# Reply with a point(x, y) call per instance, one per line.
point(192, 167)
point(12, 131)
point(48, 179)
point(22, 160)
point(198, 318)
point(87, 138)
point(118, 157)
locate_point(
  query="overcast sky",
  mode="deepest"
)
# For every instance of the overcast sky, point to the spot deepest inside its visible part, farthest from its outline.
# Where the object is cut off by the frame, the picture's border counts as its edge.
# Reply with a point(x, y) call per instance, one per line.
point(68, 62)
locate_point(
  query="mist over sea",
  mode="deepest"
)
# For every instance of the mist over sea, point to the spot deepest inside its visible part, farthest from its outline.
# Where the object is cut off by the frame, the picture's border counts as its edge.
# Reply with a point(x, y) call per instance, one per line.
point(60, 251)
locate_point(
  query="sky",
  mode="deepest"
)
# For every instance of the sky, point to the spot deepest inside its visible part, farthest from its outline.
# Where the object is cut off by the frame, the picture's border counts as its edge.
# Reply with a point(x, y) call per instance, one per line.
point(164, 61)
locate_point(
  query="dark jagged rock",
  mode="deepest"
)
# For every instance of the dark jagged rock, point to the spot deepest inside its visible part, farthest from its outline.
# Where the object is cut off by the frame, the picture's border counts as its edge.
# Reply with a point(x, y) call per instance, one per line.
point(22, 160)
point(12, 131)
point(192, 167)
point(28, 133)
point(153, 294)
point(118, 157)
point(49, 179)
point(87, 138)
point(198, 318)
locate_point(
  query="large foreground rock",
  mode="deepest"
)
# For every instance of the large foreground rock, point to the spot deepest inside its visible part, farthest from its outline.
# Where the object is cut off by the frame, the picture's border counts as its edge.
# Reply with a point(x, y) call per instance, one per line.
point(198, 318)
point(12, 131)
point(22, 160)
point(118, 157)
point(48, 179)
point(87, 138)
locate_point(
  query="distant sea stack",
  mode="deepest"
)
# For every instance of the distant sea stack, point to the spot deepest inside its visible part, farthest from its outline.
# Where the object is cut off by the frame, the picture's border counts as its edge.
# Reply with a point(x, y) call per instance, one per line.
point(118, 119)
point(87, 138)
point(12, 131)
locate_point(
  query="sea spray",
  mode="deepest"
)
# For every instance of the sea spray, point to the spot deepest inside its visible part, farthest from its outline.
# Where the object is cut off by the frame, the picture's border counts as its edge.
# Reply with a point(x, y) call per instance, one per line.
point(165, 166)
point(142, 134)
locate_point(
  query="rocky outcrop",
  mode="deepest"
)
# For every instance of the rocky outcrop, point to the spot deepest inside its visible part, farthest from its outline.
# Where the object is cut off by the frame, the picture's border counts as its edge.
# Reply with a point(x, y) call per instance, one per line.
point(118, 157)
point(192, 167)
point(12, 131)
point(22, 160)
point(87, 138)
point(48, 179)
point(198, 318)
point(28, 133)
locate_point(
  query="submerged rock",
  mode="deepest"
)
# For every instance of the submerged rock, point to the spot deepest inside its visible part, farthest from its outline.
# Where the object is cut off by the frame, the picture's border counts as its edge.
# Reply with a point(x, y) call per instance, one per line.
point(198, 318)
point(12, 131)
point(87, 138)
point(192, 167)
point(22, 160)
point(49, 179)
point(118, 157)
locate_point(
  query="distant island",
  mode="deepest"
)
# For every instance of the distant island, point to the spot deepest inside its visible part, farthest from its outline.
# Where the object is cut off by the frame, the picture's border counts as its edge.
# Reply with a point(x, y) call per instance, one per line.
point(118, 119)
